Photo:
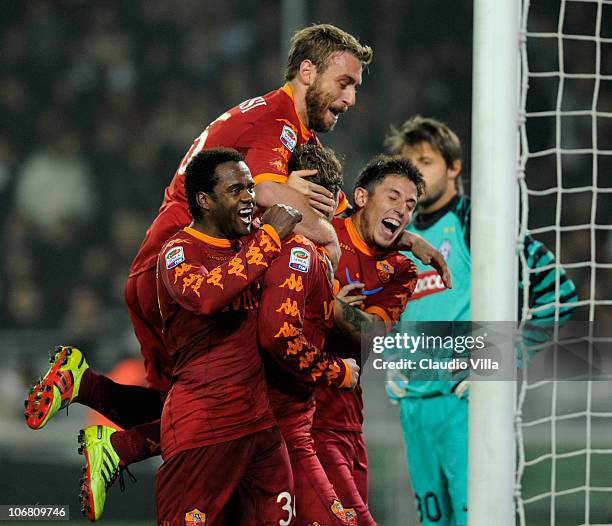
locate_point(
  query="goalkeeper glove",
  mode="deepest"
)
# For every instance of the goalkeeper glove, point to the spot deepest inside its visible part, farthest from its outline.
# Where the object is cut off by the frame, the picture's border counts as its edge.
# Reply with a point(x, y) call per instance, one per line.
point(396, 386)
point(461, 390)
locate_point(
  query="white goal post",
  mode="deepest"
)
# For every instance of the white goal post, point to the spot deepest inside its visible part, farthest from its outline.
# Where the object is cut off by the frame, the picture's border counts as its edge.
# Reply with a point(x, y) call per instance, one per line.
point(494, 260)
point(542, 166)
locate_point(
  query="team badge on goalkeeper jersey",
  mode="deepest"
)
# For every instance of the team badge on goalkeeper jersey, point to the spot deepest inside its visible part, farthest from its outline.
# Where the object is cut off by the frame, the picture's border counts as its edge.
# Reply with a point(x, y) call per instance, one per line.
point(384, 270)
point(195, 517)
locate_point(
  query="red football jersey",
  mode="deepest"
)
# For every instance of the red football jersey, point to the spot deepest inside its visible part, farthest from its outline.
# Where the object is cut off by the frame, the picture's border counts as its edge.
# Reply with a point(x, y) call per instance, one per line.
point(208, 296)
point(295, 316)
point(264, 129)
point(389, 281)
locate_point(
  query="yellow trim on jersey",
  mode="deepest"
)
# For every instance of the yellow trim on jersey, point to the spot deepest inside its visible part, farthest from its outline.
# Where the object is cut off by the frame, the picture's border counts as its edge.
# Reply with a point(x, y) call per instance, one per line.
point(359, 243)
point(271, 231)
point(342, 206)
point(210, 240)
point(381, 313)
point(276, 178)
point(346, 381)
point(306, 133)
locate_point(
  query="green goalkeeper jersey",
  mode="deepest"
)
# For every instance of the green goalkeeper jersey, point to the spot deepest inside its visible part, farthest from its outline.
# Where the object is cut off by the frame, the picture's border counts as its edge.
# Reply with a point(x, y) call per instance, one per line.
point(448, 229)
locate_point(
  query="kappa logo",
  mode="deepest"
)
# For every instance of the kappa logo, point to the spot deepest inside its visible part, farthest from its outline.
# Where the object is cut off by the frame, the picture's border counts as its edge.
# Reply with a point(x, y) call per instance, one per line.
point(174, 256)
point(290, 308)
point(429, 282)
point(195, 518)
point(384, 270)
point(282, 152)
point(287, 330)
point(300, 259)
point(293, 283)
point(279, 165)
point(288, 138)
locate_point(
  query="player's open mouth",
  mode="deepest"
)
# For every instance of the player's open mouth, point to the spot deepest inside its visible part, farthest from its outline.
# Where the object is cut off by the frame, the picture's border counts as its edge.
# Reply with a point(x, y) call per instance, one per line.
point(246, 215)
point(335, 113)
point(390, 225)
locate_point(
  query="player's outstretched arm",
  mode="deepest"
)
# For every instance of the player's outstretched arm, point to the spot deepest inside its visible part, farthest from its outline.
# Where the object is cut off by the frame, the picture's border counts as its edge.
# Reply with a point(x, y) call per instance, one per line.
point(543, 275)
point(426, 253)
point(281, 315)
point(543, 293)
point(207, 291)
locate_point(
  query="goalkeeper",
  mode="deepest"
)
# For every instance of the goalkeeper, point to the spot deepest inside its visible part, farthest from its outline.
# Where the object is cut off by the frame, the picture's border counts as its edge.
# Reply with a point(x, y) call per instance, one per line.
point(434, 414)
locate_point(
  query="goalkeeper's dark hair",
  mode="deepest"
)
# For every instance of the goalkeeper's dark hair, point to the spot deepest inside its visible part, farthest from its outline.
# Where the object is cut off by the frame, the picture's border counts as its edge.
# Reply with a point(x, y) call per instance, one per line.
point(201, 174)
point(324, 160)
point(383, 166)
point(418, 129)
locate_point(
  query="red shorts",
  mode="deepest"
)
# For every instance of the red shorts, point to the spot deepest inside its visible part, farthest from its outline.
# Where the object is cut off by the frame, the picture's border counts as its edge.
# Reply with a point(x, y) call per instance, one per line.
point(143, 309)
point(253, 472)
point(315, 498)
point(344, 459)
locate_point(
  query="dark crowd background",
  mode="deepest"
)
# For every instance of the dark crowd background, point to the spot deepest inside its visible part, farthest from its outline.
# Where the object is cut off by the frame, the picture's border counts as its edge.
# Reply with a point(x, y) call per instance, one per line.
point(100, 100)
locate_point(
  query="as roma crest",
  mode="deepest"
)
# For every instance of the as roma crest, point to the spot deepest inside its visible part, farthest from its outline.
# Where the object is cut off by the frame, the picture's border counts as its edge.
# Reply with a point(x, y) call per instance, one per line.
point(195, 518)
point(351, 516)
point(384, 270)
point(338, 510)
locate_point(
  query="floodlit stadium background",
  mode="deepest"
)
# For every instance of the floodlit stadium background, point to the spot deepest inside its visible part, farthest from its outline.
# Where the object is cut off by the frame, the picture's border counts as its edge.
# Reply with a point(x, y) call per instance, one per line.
point(99, 100)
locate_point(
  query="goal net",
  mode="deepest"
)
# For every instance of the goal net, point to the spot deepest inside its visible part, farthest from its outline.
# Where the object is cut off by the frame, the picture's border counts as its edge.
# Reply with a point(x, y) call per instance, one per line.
point(564, 422)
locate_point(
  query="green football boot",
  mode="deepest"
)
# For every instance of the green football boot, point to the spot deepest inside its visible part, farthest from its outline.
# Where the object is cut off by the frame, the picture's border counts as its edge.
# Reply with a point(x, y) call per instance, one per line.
point(102, 467)
point(57, 389)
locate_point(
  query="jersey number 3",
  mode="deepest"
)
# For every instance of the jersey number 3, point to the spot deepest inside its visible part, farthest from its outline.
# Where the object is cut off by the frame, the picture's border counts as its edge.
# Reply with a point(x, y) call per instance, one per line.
point(287, 506)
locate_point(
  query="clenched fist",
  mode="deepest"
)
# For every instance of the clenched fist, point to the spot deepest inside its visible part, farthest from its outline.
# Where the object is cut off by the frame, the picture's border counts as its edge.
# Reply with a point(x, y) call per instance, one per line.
point(282, 218)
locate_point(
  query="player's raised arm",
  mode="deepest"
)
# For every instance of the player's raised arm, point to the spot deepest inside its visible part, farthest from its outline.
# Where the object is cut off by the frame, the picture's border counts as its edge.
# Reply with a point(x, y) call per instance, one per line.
point(282, 308)
point(220, 191)
point(207, 291)
point(542, 293)
point(542, 284)
point(426, 253)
